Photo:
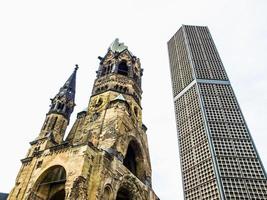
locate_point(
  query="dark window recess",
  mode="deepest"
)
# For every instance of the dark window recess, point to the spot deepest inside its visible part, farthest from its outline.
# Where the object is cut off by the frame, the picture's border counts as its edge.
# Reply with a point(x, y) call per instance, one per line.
point(130, 160)
point(123, 194)
point(109, 69)
point(123, 68)
point(54, 123)
point(103, 72)
point(60, 106)
point(54, 175)
point(39, 164)
point(136, 111)
point(59, 195)
point(106, 70)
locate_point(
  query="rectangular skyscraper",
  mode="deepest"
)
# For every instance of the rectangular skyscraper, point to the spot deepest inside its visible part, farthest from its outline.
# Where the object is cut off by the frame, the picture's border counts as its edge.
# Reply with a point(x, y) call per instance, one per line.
point(218, 157)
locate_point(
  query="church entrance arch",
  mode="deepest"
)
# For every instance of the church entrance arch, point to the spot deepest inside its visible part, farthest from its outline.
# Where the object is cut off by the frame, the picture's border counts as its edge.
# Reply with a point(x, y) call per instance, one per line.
point(50, 185)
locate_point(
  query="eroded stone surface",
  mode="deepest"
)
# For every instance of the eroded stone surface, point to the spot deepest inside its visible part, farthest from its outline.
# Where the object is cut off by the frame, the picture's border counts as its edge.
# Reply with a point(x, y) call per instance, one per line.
point(106, 150)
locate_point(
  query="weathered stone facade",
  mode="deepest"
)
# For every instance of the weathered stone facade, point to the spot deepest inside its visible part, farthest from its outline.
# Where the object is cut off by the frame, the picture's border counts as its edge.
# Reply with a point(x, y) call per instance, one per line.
point(105, 156)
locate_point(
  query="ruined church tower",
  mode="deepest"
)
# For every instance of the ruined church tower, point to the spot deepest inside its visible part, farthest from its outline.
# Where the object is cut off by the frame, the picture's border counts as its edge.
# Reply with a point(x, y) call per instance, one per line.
point(105, 155)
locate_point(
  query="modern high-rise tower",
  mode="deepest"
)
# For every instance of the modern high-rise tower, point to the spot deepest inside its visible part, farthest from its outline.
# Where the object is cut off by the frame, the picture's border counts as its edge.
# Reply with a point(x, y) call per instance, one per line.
point(218, 157)
point(105, 155)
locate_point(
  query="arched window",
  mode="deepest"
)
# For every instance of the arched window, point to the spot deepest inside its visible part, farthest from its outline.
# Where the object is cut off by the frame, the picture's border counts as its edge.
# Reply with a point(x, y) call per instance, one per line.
point(123, 68)
point(51, 184)
point(130, 160)
point(109, 69)
point(103, 72)
point(133, 160)
point(106, 70)
point(123, 194)
point(107, 193)
point(67, 109)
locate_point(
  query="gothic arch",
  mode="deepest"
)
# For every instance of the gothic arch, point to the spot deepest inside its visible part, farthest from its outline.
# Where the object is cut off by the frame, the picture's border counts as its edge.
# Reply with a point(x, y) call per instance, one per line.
point(134, 159)
point(124, 194)
point(50, 185)
point(128, 189)
point(123, 68)
point(107, 193)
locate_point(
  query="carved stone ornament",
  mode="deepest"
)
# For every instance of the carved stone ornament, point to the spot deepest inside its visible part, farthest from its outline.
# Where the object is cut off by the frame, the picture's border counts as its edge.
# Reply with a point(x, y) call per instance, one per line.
point(79, 188)
point(130, 183)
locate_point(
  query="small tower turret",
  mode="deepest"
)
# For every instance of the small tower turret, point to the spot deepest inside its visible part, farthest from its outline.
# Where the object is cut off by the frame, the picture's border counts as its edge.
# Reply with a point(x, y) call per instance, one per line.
point(61, 107)
point(63, 102)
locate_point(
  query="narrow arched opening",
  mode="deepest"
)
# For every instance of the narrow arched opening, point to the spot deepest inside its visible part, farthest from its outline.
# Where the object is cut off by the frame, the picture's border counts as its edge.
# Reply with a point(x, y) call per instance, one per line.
point(103, 71)
point(130, 160)
point(51, 184)
point(133, 160)
point(123, 194)
point(107, 193)
point(123, 68)
point(136, 111)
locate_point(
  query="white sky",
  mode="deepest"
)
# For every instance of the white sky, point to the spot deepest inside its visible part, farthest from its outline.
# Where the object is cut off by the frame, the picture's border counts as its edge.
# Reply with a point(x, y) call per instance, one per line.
point(40, 41)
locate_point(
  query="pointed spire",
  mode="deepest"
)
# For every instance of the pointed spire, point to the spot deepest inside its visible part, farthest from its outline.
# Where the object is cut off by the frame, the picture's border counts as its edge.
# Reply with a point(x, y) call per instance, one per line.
point(69, 87)
point(64, 102)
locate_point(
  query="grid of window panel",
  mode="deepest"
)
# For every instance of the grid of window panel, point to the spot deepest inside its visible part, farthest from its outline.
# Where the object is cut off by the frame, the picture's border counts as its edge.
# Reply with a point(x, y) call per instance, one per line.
point(197, 168)
point(211, 128)
point(235, 154)
point(181, 70)
point(206, 60)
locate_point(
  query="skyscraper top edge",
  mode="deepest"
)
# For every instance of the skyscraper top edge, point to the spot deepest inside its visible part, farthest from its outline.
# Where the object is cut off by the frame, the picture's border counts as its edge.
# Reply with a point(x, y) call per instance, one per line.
point(186, 25)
